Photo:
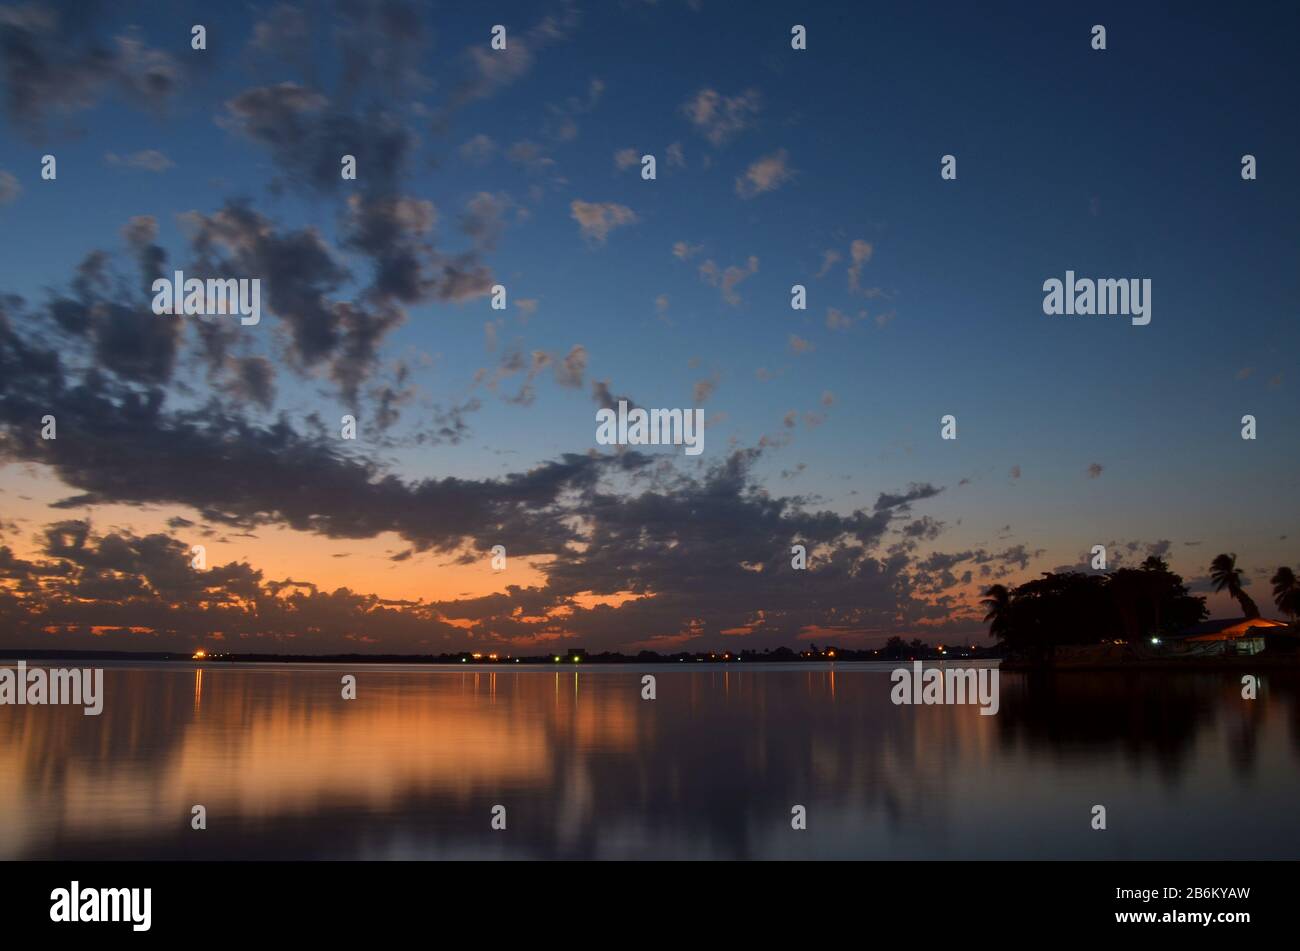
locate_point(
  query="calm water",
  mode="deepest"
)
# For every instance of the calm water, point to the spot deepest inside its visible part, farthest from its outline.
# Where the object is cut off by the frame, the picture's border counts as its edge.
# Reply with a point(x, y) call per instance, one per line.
point(586, 769)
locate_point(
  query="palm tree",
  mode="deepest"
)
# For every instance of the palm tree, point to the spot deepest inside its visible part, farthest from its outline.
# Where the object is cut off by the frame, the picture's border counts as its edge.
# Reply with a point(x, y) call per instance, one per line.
point(1286, 592)
point(997, 599)
point(1225, 574)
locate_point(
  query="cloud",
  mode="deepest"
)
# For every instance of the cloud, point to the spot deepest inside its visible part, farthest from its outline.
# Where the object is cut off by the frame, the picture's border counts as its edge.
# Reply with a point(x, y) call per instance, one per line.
point(484, 218)
point(54, 65)
point(727, 280)
point(703, 389)
point(732, 542)
point(597, 219)
point(916, 492)
point(923, 528)
point(626, 158)
point(764, 175)
point(9, 188)
point(487, 71)
point(149, 160)
point(859, 253)
point(830, 258)
point(604, 397)
point(478, 150)
point(396, 234)
point(303, 279)
point(307, 134)
point(570, 370)
point(720, 118)
point(799, 345)
point(561, 121)
point(836, 319)
point(532, 157)
point(680, 542)
point(108, 319)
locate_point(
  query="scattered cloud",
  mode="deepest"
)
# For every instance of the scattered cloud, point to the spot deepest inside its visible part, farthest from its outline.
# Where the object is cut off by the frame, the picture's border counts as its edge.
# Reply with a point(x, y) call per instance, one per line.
point(479, 150)
point(720, 118)
point(728, 279)
point(859, 253)
point(830, 258)
point(764, 175)
point(150, 160)
point(597, 219)
point(9, 188)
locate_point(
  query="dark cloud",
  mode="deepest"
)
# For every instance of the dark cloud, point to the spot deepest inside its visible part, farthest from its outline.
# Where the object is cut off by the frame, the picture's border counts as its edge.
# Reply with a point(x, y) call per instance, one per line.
point(107, 317)
point(54, 63)
point(90, 591)
point(301, 283)
point(307, 136)
point(711, 551)
point(915, 493)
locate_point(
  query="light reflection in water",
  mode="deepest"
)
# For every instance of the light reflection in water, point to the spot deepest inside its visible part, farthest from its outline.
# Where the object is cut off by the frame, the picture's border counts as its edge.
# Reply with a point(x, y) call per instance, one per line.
point(711, 768)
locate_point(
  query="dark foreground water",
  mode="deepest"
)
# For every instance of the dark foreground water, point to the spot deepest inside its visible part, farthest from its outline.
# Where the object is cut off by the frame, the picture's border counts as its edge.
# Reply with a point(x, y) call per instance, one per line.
point(710, 769)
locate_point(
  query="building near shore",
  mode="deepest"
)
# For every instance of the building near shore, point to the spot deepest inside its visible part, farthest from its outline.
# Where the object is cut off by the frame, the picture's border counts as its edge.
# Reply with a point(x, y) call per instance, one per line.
point(1239, 635)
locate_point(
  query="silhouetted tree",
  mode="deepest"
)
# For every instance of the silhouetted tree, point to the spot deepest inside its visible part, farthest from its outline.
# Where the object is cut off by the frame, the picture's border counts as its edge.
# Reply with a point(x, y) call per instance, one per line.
point(997, 601)
point(1225, 574)
point(1286, 592)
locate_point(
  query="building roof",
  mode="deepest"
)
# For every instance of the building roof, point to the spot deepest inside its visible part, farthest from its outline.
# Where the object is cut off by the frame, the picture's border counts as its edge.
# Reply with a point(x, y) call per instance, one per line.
point(1223, 629)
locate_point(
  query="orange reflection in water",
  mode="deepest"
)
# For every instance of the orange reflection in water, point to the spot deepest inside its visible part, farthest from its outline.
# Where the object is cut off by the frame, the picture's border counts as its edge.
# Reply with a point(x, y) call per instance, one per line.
point(271, 742)
point(286, 768)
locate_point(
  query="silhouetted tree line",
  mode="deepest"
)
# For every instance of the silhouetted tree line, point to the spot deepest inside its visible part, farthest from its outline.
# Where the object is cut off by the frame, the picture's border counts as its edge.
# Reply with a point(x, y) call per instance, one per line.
point(1286, 587)
point(1075, 608)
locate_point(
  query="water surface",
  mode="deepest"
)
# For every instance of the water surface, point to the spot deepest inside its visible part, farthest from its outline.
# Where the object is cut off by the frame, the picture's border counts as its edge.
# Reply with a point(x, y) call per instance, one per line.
point(587, 769)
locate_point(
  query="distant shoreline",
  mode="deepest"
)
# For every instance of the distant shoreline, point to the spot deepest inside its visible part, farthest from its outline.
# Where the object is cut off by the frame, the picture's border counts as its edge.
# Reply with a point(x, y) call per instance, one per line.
point(783, 656)
point(1008, 664)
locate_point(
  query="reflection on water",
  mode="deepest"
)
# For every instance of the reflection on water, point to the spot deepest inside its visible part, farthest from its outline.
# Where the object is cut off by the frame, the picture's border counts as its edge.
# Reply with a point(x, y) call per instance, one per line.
point(587, 769)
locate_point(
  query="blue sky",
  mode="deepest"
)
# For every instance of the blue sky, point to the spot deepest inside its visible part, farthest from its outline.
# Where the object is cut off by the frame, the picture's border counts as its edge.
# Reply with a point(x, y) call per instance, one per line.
point(1117, 163)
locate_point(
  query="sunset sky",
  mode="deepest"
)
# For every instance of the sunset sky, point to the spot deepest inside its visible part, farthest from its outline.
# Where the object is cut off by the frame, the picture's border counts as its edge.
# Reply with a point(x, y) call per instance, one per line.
point(476, 427)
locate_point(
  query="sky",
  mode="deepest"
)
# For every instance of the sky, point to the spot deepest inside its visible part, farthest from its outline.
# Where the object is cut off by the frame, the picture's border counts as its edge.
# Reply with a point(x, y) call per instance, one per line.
point(522, 168)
